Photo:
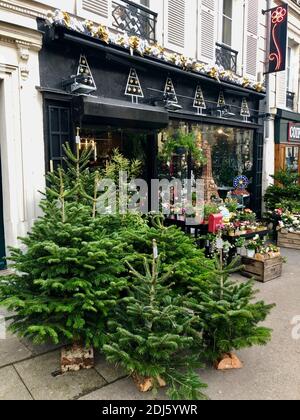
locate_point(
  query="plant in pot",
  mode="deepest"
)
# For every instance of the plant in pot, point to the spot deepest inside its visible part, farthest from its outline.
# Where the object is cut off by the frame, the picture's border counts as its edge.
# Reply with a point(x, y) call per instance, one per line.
point(251, 247)
point(152, 334)
point(210, 208)
point(181, 143)
point(240, 245)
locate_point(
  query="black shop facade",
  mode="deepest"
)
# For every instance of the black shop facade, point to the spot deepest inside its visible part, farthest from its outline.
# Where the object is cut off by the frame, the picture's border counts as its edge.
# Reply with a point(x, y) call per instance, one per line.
point(115, 98)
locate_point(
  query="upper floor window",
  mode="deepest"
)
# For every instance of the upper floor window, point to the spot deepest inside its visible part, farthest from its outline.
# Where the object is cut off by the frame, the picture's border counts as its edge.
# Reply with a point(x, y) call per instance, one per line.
point(135, 18)
point(290, 91)
point(227, 22)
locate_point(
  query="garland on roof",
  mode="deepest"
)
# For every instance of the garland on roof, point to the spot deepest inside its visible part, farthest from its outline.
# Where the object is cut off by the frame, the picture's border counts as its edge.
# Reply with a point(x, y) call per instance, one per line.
point(141, 46)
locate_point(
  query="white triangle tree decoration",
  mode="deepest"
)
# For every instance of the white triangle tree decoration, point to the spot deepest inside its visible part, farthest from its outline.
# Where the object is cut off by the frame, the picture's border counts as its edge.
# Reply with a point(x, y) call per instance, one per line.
point(245, 112)
point(133, 87)
point(170, 91)
point(199, 101)
point(221, 99)
point(85, 74)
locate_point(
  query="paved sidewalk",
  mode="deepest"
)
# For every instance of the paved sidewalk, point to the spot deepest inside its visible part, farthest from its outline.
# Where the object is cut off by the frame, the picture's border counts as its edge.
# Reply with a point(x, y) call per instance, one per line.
point(272, 372)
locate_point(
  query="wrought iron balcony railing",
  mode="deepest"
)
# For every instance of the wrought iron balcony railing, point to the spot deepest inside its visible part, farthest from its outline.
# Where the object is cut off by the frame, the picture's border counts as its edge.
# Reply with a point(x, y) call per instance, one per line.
point(290, 99)
point(134, 19)
point(226, 57)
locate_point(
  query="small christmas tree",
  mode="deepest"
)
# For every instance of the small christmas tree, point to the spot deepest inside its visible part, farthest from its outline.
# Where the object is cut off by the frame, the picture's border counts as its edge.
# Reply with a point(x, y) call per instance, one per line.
point(230, 318)
point(170, 91)
point(69, 273)
point(245, 112)
point(152, 335)
point(199, 101)
point(221, 99)
point(178, 252)
point(133, 87)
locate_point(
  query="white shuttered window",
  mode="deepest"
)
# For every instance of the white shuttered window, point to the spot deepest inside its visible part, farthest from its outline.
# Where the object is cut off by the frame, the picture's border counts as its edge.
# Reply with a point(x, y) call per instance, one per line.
point(252, 38)
point(99, 7)
point(207, 33)
point(96, 10)
point(175, 24)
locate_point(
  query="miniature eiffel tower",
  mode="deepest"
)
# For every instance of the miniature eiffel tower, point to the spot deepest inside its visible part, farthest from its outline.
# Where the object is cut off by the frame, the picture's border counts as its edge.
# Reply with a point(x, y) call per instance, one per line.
point(210, 187)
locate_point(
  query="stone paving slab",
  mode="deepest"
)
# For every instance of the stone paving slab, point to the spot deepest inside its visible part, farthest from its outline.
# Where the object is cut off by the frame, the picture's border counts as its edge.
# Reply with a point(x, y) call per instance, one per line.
point(37, 350)
point(37, 375)
point(12, 350)
point(123, 389)
point(11, 386)
point(109, 372)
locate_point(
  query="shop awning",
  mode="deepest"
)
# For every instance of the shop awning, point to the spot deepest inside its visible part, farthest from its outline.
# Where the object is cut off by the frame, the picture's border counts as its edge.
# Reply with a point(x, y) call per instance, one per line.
point(95, 110)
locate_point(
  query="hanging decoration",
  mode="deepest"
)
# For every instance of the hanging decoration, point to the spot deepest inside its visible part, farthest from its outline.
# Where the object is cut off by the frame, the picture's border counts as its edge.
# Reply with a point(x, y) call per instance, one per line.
point(170, 91)
point(143, 47)
point(83, 82)
point(245, 112)
point(221, 100)
point(133, 87)
point(199, 101)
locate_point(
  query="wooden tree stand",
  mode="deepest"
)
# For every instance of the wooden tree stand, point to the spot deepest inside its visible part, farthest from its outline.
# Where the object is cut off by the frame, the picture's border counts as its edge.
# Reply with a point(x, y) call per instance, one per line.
point(288, 240)
point(262, 271)
point(145, 384)
point(76, 357)
point(228, 361)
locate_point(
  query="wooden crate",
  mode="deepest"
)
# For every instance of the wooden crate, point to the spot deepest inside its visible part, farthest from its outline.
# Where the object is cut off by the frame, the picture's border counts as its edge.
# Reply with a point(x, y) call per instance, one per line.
point(289, 240)
point(262, 271)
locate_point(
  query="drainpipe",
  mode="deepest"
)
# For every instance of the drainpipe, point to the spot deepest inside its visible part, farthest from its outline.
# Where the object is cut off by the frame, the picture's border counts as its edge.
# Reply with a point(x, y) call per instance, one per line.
point(244, 39)
point(267, 106)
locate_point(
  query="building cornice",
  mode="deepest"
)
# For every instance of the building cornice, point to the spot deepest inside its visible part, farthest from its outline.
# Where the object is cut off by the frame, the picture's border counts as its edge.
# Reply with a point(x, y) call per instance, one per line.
point(20, 36)
point(22, 10)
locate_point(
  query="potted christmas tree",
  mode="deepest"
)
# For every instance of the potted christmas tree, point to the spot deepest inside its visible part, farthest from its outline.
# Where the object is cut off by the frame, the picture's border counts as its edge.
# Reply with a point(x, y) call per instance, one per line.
point(152, 335)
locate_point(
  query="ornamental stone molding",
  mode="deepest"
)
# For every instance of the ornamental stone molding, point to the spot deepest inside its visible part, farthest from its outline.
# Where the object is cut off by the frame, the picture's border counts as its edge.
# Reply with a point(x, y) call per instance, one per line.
point(20, 36)
point(20, 9)
point(24, 40)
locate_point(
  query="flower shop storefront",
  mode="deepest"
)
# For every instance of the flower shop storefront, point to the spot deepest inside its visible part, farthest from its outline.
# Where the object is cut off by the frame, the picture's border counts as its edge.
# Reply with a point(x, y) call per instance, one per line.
point(113, 95)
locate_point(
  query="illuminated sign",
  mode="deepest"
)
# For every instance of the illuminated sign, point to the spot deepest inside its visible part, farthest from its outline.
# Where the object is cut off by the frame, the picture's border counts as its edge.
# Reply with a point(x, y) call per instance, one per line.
point(278, 38)
point(294, 132)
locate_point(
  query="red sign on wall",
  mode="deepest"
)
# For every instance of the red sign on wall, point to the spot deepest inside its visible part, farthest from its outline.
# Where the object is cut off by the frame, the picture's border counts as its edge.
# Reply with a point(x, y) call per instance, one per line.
point(294, 132)
point(278, 38)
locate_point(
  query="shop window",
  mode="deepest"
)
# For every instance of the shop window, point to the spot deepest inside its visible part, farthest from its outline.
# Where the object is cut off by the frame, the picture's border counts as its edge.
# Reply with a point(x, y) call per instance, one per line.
point(292, 158)
point(229, 152)
point(59, 133)
point(227, 22)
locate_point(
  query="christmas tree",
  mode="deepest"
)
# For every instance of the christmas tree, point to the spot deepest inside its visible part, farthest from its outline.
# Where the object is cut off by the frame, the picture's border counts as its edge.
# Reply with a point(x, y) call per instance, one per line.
point(133, 87)
point(199, 101)
point(170, 91)
point(229, 316)
point(221, 100)
point(152, 334)
point(69, 272)
point(245, 112)
point(178, 252)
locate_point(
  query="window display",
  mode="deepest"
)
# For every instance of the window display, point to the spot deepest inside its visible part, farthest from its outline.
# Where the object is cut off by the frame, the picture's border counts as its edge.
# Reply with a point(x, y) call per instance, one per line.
point(228, 153)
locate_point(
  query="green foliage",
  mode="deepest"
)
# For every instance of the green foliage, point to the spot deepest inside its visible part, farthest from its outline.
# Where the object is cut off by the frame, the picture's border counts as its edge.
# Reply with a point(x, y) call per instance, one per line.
point(286, 177)
point(186, 142)
point(178, 252)
point(210, 208)
point(68, 276)
point(153, 334)
point(229, 317)
point(70, 271)
point(285, 194)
